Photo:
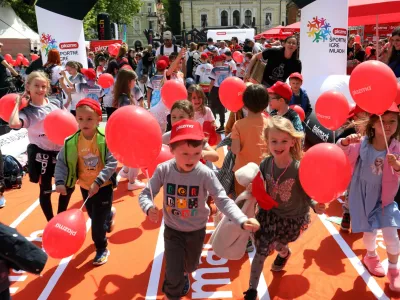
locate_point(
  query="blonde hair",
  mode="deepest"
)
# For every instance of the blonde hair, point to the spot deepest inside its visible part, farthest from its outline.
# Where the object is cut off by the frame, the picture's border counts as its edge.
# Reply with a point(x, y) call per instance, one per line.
point(38, 75)
point(284, 125)
point(198, 90)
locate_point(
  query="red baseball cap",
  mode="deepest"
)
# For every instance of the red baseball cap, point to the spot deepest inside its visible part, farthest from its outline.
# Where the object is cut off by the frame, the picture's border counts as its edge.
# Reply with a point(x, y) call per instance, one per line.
point(282, 89)
point(89, 73)
point(204, 55)
point(186, 130)
point(355, 110)
point(219, 58)
point(93, 104)
point(161, 65)
point(296, 75)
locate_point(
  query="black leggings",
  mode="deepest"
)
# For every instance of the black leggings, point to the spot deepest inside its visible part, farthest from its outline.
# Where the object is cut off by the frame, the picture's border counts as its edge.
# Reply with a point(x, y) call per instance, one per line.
point(2, 184)
point(109, 111)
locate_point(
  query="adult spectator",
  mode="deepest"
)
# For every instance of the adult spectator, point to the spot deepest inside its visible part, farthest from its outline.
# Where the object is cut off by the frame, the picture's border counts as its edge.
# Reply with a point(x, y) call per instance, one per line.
point(36, 65)
point(121, 57)
point(281, 62)
point(89, 60)
point(350, 47)
point(235, 44)
point(148, 60)
point(53, 69)
point(4, 65)
point(131, 58)
point(191, 55)
point(253, 46)
point(394, 52)
point(211, 47)
point(167, 47)
point(223, 49)
point(359, 53)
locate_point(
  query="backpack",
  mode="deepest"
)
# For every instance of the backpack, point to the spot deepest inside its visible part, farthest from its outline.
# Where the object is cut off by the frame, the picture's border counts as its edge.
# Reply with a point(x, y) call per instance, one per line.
point(55, 88)
point(162, 49)
point(13, 172)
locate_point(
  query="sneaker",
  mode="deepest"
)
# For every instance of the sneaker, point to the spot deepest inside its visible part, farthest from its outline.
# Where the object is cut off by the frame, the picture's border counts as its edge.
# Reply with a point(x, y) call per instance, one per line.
point(2, 201)
point(186, 288)
point(374, 265)
point(122, 174)
point(136, 185)
point(101, 257)
point(280, 262)
point(250, 294)
point(394, 279)
point(345, 225)
point(110, 220)
point(249, 247)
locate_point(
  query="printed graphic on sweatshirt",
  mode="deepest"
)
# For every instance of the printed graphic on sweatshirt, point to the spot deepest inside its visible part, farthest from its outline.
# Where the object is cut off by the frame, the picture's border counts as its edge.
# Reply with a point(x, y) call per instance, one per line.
point(182, 200)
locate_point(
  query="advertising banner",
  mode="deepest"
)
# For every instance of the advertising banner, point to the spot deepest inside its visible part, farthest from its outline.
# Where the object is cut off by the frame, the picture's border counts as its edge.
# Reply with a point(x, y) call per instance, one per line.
point(96, 46)
point(62, 33)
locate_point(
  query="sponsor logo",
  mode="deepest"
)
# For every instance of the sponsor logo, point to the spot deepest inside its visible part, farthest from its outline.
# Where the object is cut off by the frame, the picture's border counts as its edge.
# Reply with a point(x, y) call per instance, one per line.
point(221, 33)
point(340, 31)
point(66, 229)
point(69, 45)
point(319, 29)
point(362, 90)
point(48, 43)
point(323, 117)
point(184, 126)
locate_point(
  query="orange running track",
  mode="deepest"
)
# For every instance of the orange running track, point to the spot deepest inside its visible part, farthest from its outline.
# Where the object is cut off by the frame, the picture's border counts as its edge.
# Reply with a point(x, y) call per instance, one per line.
point(325, 264)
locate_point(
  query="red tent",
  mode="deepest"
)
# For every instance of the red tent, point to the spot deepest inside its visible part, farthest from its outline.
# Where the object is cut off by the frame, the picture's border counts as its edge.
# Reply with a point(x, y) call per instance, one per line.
point(364, 12)
point(295, 27)
point(275, 32)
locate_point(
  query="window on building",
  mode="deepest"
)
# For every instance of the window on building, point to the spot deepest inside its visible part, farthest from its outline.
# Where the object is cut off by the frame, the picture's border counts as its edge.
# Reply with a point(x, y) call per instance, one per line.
point(247, 17)
point(224, 18)
point(268, 19)
point(204, 22)
point(136, 24)
point(236, 18)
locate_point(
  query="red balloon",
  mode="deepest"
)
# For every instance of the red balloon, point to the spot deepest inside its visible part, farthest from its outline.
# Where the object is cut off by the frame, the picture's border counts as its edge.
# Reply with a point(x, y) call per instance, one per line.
point(105, 80)
point(374, 94)
point(34, 57)
point(138, 146)
point(173, 91)
point(210, 133)
point(7, 104)
point(238, 57)
point(398, 94)
point(58, 125)
point(65, 234)
point(8, 58)
point(25, 62)
point(20, 54)
point(325, 172)
point(113, 49)
point(19, 59)
point(13, 63)
point(368, 50)
point(332, 109)
point(299, 111)
point(357, 39)
point(165, 154)
point(231, 93)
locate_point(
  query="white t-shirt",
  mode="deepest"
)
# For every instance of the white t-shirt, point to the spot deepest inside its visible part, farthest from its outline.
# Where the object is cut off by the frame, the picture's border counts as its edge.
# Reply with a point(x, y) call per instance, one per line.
point(232, 65)
point(222, 51)
point(167, 51)
point(109, 95)
point(79, 78)
point(204, 71)
point(219, 74)
point(94, 92)
point(55, 74)
point(199, 117)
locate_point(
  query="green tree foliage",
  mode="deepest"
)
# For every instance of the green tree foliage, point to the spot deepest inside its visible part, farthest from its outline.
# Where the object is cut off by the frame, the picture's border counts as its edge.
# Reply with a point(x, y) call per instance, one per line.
point(24, 11)
point(173, 15)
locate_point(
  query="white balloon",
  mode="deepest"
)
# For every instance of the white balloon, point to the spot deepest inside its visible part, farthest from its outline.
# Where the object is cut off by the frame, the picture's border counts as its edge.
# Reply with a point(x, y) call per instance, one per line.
point(338, 83)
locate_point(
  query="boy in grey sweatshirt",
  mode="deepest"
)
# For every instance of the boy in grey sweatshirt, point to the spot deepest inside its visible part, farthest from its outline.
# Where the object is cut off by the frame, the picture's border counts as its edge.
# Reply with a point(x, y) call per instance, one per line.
point(186, 183)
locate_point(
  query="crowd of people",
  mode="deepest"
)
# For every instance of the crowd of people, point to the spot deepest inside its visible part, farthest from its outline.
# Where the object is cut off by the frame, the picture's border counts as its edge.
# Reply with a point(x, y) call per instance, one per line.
point(266, 131)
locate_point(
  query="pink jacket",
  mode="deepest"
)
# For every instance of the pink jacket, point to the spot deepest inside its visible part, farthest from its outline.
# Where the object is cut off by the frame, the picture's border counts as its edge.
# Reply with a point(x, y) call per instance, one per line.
point(390, 180)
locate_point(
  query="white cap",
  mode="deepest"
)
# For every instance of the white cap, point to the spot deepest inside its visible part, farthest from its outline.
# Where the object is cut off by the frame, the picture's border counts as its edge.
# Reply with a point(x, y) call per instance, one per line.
point(167, 35)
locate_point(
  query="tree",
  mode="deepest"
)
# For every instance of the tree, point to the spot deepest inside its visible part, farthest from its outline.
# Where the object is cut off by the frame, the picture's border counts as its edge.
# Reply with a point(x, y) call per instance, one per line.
point(173, 16)
point(120, 11)
point(24, 11)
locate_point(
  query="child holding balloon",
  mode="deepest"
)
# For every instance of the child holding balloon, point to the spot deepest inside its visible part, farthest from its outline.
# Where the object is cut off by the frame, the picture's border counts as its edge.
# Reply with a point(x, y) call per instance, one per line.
point(42, 152)
point(373, 187)
point(283, 224)
point(187, 183)
point(86, 159)
point(198, 98)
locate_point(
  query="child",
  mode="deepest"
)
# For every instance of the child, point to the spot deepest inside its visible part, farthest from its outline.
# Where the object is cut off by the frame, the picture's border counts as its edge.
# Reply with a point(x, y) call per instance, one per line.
point(244, 65)
point(42, 153)
point(283, 224)
point(218, 74)
point(101, 67)
point(112, 68)
point(230, 62)
point(198, 98)
point(300, 96)
point(280, 94)
point(247, 144)
point(85, 157)
point(181, 110)
point(373, 187)
point(154, 84)
point(187, 183)
point(88, 89)
point(203, 72)
point(123, 87)
point(73, 68)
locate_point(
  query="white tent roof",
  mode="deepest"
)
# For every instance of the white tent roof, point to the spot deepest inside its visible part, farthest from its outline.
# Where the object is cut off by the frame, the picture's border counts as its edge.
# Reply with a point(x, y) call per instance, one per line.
point(12, 27)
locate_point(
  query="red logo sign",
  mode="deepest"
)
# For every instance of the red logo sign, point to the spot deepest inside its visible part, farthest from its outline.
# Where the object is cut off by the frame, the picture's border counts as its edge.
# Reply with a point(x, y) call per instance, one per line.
point(69, 45)
point(221, 33)
point(340, 31)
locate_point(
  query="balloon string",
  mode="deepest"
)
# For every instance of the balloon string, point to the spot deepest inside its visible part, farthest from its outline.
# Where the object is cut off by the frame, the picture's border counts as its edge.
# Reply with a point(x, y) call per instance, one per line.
point(84, 202)
point(384, 136)
point(334, 137)
point(149, 185)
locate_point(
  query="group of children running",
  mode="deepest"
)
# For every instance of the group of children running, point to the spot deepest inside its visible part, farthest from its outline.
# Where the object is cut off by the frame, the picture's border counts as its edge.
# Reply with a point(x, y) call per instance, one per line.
point(275, 143)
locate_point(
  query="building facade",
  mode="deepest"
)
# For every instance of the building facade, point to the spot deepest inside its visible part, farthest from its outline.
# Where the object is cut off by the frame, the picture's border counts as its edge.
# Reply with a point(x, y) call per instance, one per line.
point(263, 14)
point(293, 12)
point(150, 16)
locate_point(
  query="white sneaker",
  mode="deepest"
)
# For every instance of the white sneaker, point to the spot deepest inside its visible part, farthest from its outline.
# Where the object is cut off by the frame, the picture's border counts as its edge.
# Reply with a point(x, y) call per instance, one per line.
point(122, 174)
point(2, 201)
point(136, 185)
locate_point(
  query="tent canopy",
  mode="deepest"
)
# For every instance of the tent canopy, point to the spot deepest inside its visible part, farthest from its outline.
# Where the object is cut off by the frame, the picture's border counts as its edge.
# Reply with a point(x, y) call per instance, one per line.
point(12, 27)
point(366, 12)
point(295, 27)
point(275, 32)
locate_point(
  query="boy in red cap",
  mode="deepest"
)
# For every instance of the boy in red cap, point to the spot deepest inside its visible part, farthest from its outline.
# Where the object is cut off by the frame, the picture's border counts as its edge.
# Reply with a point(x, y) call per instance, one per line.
point(203, 72)
point(279, 97)
point(186, 183)
point(86, 159)
point(88, 89)
point(300, 96)
point(154, 84)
